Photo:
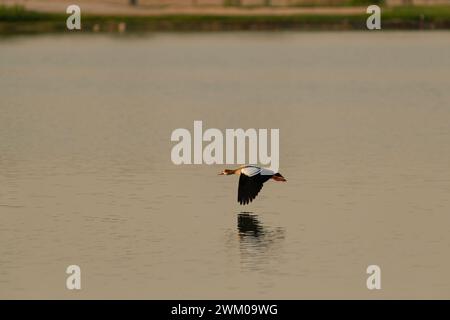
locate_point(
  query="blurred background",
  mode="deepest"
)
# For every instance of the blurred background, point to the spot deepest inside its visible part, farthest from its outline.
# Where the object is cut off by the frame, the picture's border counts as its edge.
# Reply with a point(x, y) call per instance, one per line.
point(215, 15)
point(219, 3)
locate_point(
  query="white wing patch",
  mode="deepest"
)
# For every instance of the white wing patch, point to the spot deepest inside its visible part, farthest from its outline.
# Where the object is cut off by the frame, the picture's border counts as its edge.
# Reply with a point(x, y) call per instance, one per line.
point(250, 171)
point(253, 171)
point(267, 172)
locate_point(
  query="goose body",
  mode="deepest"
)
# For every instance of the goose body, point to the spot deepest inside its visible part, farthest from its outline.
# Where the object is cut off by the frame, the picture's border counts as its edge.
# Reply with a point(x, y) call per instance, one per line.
point(251, 180)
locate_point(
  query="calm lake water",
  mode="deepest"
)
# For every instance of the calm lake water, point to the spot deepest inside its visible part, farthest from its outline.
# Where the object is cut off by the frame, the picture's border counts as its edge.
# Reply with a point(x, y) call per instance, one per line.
point(86, 176)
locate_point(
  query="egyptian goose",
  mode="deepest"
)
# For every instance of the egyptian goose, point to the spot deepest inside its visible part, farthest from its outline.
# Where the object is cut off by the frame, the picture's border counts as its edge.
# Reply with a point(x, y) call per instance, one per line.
point(251, 180)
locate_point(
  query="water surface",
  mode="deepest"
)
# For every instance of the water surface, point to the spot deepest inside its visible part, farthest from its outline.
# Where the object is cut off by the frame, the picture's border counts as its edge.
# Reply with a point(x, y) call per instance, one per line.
point(86, 176)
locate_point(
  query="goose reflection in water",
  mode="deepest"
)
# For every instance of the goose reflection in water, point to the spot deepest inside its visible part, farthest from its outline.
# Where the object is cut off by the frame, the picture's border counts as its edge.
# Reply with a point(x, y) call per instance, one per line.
point(259, 245)
point(249, 225)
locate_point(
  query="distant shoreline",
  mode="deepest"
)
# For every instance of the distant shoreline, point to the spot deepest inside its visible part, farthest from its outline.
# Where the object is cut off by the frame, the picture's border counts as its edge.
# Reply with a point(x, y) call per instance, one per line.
point(17, 20)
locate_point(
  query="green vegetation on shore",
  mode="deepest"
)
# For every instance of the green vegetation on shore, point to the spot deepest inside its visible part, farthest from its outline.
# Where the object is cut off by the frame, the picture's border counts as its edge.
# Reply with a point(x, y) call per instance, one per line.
point(18, 20)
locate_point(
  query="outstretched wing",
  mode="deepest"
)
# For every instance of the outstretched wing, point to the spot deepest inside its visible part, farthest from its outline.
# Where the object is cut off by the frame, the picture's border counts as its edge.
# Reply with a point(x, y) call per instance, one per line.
point(249, 187)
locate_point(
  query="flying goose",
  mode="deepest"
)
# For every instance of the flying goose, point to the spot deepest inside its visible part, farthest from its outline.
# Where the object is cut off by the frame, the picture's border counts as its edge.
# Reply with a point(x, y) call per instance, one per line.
point(251, 179)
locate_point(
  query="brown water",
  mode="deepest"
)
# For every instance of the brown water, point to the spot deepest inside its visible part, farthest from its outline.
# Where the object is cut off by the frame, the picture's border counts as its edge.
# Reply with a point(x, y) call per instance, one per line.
point(86, 176)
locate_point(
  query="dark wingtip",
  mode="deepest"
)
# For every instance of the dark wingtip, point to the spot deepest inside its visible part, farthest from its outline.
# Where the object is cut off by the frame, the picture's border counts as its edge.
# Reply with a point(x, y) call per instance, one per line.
point(243, 202)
